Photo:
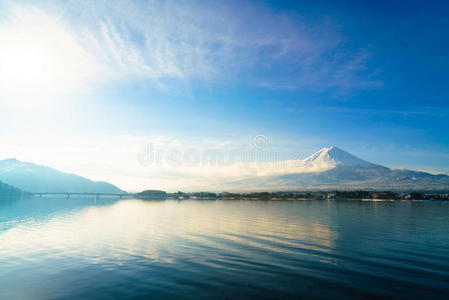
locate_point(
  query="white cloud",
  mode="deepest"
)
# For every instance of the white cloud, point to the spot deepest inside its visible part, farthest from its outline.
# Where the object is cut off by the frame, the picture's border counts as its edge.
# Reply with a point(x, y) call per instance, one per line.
point(176, 164)
point(87, 44)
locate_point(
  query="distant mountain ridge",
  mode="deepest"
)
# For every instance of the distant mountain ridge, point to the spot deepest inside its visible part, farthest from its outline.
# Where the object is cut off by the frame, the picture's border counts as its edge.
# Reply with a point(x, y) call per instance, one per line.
point(338, 169)
point(7, 191)
point(35, 178)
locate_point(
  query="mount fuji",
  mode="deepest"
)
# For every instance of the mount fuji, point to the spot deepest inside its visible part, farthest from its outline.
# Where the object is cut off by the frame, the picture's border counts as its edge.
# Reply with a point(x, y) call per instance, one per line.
point(333, 157)
point(333, 168)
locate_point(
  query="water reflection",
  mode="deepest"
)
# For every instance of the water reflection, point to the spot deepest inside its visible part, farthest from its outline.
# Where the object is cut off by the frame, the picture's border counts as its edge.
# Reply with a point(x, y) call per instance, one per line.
point(82, 248)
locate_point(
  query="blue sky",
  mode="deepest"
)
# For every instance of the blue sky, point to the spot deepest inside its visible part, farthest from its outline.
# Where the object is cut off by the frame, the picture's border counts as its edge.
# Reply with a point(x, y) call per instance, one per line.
point(369, 77)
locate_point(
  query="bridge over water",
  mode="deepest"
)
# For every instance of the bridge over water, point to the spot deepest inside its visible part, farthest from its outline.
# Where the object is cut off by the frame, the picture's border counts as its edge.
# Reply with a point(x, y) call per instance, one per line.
point(96, 195)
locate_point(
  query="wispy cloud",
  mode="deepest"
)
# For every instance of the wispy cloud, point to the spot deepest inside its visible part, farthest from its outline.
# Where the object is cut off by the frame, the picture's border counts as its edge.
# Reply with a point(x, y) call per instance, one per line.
point(183, 40)
point(407, 111)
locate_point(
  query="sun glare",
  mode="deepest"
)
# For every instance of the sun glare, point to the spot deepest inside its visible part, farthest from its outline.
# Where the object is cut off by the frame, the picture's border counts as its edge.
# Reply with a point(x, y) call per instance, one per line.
point(25, 66)
point(40, 60)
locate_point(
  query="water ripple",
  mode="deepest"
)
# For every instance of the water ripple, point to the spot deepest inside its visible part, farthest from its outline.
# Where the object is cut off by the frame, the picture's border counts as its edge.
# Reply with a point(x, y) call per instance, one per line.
point(54, 248)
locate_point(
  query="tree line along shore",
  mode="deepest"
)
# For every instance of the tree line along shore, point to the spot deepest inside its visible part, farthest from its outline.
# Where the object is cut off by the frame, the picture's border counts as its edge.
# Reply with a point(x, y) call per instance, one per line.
point(7, 191)
point(299, 195)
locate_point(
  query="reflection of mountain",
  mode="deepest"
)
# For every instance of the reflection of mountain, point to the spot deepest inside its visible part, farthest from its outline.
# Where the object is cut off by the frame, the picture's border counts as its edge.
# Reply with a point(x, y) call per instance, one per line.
point(339, 169)
point(34, 178)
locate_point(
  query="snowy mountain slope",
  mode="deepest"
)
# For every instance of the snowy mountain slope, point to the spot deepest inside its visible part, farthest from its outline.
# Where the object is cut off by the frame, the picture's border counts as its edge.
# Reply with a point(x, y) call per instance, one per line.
point(333, 157)
point(342, 170)
point(35, 178)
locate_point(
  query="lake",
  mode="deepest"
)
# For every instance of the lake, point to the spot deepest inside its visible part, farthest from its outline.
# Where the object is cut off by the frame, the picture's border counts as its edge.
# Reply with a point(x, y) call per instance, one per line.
point(84, 248)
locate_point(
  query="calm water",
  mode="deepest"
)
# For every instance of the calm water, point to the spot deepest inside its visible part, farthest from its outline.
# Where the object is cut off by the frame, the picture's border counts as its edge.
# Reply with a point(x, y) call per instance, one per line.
point(58, 248)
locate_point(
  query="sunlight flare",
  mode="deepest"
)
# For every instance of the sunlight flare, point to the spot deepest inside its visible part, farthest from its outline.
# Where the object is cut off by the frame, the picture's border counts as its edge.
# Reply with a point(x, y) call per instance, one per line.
point(40, 60)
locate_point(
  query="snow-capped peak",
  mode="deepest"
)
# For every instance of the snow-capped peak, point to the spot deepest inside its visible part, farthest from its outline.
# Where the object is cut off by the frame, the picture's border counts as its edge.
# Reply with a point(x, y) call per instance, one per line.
point(333, 156)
